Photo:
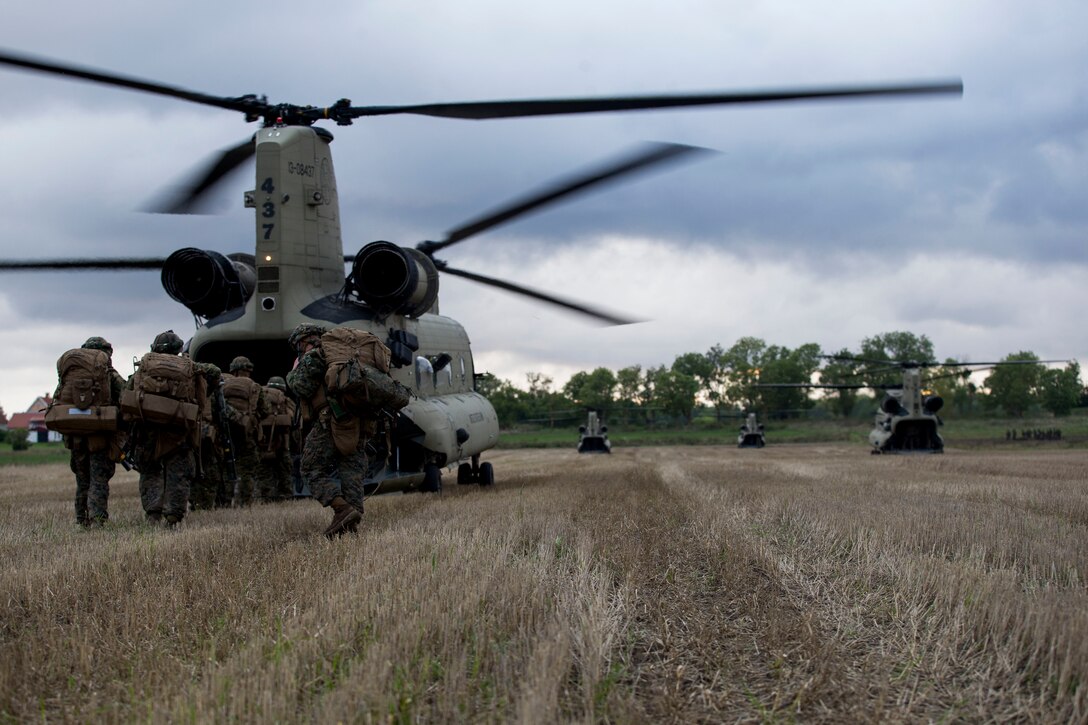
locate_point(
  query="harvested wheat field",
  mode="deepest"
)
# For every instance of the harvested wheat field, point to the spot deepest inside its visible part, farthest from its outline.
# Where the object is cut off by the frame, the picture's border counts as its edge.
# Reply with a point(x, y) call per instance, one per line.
point(800, 583)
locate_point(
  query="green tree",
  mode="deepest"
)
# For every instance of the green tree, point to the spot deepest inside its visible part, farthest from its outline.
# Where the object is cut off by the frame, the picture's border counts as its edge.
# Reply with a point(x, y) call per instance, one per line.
point(900, 346)
point(675, 391)
point(18, 438)
point(840, 370)
point(893, 347)
point(699, 367)
point(742, 360)
point(1061, 390)
point(509, 402)
point(648, 395)
point(953, 383)
point(628, 390)
point(719, 379)
point(595, 390)
point(1013, 388)
point(543, 402)
point(782, 365)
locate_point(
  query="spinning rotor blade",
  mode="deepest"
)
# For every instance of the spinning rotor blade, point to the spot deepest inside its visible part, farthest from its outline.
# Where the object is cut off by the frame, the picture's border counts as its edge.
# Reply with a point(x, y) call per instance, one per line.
point(480, 110)
point(1001, 362)
point(33, 265)
point(816, 385)
point(606, 317)
point(342, 112)
point(642, 160)
point(187, 200)
point(889, 364)
point(250, 105)
point(956, 374)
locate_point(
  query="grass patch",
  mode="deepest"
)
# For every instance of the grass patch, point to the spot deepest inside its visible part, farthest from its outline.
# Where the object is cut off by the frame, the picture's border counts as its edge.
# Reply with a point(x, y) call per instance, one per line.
point(38, 454)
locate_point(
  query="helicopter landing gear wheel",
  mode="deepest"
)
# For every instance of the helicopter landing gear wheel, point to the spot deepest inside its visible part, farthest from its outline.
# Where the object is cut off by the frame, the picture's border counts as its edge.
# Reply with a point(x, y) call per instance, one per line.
point(432, 479)
point(465, 475)
point(487, 475)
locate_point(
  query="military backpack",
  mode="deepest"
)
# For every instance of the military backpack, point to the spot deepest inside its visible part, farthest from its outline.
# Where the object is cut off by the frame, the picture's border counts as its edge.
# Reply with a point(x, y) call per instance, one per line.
point(357, 378)
point(165, 390)
point(82, 403)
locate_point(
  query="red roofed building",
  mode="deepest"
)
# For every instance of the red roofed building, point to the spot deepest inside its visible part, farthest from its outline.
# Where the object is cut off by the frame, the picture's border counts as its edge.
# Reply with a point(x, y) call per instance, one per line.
point(33, 421)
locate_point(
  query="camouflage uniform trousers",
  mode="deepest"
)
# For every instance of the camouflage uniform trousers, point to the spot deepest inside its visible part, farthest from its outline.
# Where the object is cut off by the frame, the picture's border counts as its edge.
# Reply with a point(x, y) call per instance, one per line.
point(164, 483)
point(330, 474)
point(247, 463)
point(93, 473)
point(208, 486)
point(274, 476)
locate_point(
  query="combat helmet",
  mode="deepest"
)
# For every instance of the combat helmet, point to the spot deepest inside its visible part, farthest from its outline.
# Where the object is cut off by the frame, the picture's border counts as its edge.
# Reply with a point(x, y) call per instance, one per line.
point(98, 343)
point(240, 363)
point(277, 382)
point(167, 342)
point(301, 332)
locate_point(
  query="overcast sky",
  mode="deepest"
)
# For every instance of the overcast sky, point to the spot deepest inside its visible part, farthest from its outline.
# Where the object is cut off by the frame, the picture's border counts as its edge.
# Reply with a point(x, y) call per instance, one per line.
point(962, 219)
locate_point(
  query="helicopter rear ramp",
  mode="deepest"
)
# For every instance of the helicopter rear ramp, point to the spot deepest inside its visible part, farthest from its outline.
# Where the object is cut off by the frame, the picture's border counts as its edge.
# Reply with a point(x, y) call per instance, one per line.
point(594, 444)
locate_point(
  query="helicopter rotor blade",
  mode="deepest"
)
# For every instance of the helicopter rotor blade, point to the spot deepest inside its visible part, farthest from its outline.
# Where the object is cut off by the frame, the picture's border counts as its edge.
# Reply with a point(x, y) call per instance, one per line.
point(827, 386)
point(1000, 362)
point(188, 199)
point(250, 105)
point(641, 160)
point(480, 110)
point(608, 318)
point(75, 264)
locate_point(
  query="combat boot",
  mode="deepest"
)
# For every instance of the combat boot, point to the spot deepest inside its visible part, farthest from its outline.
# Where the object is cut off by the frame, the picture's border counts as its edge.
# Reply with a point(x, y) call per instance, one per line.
point(344, 516)
point(171, 521)
point(353, 528)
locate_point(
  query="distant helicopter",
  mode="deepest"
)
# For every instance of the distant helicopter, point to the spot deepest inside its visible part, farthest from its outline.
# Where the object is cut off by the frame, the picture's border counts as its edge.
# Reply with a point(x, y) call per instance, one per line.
point(751, 433)
point(593, 436)
point(247, 303)
point(907, 420)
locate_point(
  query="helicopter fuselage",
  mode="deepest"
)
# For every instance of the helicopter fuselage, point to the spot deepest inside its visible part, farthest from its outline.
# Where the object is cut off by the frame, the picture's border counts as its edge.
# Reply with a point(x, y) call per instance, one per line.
point(907, 421)
point(751, 433)
point(297, 276)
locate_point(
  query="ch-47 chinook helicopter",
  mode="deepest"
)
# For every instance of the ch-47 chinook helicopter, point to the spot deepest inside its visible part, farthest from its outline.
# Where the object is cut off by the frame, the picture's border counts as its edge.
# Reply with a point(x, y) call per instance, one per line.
point(907, 419)
point(751, 433)
point(593, 436)
point(247, 303)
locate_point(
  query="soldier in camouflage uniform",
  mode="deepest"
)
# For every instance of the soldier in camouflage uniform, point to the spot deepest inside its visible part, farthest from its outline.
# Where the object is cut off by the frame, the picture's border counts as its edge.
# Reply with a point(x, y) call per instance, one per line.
point(335, 479)
point(209, 489)
point(91, 461)
point(165, 455)
point(274, 475)
point(245, 432)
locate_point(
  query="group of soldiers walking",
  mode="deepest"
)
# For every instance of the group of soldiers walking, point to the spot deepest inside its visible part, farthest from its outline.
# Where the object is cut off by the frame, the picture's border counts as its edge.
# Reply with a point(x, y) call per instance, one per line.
point(202, 439)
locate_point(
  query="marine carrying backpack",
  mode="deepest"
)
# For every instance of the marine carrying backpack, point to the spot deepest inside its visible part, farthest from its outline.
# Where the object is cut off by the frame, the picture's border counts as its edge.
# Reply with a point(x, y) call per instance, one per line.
point(242, 395)
point(278, 423)
point(84, 378)
point(358, 372)
point(165, 391)
point(82, 404)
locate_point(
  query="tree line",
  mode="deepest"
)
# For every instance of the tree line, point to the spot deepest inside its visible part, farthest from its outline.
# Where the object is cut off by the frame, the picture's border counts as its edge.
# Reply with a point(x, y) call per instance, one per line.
point(726, 382)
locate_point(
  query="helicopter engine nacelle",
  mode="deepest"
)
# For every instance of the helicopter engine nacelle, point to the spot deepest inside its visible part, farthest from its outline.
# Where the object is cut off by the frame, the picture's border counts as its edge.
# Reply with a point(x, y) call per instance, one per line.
point(892, 406)
point(207, 282)
point(933, 403)
point(391, 278)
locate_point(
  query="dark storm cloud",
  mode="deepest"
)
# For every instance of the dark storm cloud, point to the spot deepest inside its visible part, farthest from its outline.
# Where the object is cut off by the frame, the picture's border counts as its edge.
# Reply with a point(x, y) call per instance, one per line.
point(956, 200)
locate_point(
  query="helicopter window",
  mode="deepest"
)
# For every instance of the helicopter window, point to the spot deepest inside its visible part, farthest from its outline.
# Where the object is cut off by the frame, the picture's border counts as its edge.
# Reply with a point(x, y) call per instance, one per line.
point(424, 371)
point(462, 368)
